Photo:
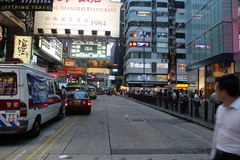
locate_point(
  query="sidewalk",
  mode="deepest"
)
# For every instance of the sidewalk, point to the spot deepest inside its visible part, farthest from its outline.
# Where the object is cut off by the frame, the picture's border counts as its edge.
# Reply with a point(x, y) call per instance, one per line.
point(201, 121)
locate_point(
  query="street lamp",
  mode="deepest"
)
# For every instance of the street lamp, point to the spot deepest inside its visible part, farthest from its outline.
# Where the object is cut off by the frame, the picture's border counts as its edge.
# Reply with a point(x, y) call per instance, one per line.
point(144, 76)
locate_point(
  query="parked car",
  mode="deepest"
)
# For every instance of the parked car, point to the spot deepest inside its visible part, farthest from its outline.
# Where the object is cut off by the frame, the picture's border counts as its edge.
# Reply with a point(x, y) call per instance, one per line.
point(100, 91)
point(92, 92)
point(78, 101)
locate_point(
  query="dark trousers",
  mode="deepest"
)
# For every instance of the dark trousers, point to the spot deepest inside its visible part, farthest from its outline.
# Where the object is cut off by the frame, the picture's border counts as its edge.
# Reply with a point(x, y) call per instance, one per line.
point(220, 155)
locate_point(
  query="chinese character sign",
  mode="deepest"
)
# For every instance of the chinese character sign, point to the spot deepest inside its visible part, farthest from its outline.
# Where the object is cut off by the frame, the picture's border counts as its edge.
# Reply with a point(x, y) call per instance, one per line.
point(87, 15)
point(23, 48)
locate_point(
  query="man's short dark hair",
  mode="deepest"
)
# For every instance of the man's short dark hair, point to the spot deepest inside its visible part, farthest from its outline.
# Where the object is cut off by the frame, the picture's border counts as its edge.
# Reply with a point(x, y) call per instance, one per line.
point(229, 83)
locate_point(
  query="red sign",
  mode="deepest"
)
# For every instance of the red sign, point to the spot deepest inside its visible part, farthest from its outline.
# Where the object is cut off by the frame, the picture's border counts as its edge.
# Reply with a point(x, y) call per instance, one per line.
point(71, 70)
point(69, 63)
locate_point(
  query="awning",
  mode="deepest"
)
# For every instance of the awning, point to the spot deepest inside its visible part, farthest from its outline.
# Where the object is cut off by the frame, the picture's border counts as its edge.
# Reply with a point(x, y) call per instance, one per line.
point(10, 20)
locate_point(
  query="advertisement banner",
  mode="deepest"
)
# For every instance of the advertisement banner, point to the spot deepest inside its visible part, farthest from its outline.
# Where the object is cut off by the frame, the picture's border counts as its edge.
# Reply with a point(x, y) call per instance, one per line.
point(23, 48)
point(71, 70)
point(39, 89)
point(86, 15)
point(26, 5)
point(172, 71)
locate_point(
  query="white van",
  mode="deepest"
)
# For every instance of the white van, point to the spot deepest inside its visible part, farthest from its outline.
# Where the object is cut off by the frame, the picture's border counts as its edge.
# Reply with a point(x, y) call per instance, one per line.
point(28, 98)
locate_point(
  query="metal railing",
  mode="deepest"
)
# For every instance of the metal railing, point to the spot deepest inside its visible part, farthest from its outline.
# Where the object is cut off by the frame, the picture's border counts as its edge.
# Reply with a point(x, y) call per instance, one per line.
point(204, 110)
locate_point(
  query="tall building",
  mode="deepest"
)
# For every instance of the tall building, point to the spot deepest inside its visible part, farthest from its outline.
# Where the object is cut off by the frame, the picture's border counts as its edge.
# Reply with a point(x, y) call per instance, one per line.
point(153, 29)
point(212, 41)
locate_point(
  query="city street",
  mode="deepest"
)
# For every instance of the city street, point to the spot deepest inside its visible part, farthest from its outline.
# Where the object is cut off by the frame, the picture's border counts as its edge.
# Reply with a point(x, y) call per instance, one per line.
point(117, 129)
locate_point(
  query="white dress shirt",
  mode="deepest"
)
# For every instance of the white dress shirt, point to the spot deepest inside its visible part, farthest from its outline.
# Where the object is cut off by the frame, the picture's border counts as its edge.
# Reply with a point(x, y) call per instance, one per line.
point(226, 135)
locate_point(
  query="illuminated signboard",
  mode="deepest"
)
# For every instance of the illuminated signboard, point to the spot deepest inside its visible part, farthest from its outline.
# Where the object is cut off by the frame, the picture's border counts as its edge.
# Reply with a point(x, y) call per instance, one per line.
point(52, 47)
point(87, 15)
point(26, 5)
point(88, 49)
point(202, 46)
point(69, 63)
point(23, 48)
point(139, 44)
point(161, 78)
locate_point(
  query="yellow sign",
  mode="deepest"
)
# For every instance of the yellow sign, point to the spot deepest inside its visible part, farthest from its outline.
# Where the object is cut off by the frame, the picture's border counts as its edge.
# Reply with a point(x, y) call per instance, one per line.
point(23, 48)
point(182, 85)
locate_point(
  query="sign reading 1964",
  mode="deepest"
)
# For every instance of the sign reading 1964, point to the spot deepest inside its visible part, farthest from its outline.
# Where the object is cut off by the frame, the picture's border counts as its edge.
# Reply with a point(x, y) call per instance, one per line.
point(32, 5)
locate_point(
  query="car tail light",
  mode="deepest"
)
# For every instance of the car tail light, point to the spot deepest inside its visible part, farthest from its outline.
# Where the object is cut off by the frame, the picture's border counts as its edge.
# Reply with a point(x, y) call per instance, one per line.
point(23, 109)
point(89, 103)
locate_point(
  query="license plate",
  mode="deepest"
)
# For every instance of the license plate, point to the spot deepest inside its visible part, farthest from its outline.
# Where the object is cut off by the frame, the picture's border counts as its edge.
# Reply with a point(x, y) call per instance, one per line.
point(11, 117)
point(77, 102)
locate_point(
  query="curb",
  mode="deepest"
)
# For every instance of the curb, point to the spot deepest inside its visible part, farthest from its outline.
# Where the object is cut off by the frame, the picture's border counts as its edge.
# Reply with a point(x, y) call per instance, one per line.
point(178, 115)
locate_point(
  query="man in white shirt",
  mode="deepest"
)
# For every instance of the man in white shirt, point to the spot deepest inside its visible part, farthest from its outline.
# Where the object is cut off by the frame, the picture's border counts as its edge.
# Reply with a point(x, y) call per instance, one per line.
point(226, 138)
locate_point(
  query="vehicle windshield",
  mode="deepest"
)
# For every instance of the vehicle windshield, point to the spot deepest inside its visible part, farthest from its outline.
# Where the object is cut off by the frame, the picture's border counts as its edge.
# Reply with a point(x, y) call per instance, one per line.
point(91, 89)
point(77, 95)
point(73, 88)
point(8, 84)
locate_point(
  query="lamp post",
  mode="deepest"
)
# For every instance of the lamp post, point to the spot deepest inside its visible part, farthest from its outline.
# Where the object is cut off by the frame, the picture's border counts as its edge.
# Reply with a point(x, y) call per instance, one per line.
point(144, 76)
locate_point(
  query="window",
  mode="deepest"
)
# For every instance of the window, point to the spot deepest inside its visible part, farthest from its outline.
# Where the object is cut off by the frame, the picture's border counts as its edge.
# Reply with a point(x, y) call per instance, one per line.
point(78, 95)
point(143, 13)
point(181, 45)
point(8, 83)
point(50, 86)
point(180, 35)
point(162, 24)
point(162, 14)
point(162, 4)
point(162, 45)
point(137, 3)
point(162, 35)
point(179, 5)
point(181, 56)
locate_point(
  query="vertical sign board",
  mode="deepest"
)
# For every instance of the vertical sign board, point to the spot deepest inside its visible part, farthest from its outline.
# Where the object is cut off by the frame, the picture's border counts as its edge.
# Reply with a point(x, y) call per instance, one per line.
point(23, 48)
point(172, 70)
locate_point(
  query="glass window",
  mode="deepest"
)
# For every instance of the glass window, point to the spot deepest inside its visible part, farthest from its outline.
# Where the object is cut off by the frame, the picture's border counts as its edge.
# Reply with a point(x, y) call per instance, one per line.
point(162, 4)
point(162, 45)
point(8, 83)
point(77, 95)
point(179, 4)
point(50, 86)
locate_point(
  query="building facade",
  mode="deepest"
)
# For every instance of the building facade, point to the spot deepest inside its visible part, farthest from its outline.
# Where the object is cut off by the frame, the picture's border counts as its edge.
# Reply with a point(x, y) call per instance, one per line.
point(212, 41)
point(151, 34)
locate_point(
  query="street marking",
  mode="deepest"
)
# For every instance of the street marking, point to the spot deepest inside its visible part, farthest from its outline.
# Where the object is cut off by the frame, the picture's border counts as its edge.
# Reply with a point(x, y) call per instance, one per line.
point(53, 142)
point(20, 155)
point(126, 115)
point(47, 141)
point(202, 128)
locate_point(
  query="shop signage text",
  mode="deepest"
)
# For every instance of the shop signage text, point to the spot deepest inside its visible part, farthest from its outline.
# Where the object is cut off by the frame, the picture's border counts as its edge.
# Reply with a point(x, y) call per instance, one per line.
point(32, 5)
point(52, 48)
point(23, 48)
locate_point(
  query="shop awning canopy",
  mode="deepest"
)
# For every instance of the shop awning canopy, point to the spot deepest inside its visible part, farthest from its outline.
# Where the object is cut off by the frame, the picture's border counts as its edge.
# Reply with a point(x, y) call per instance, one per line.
point(10, 20)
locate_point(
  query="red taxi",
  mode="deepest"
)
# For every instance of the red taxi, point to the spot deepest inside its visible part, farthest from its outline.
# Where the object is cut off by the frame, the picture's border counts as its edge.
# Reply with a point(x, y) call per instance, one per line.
point(78, 101)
